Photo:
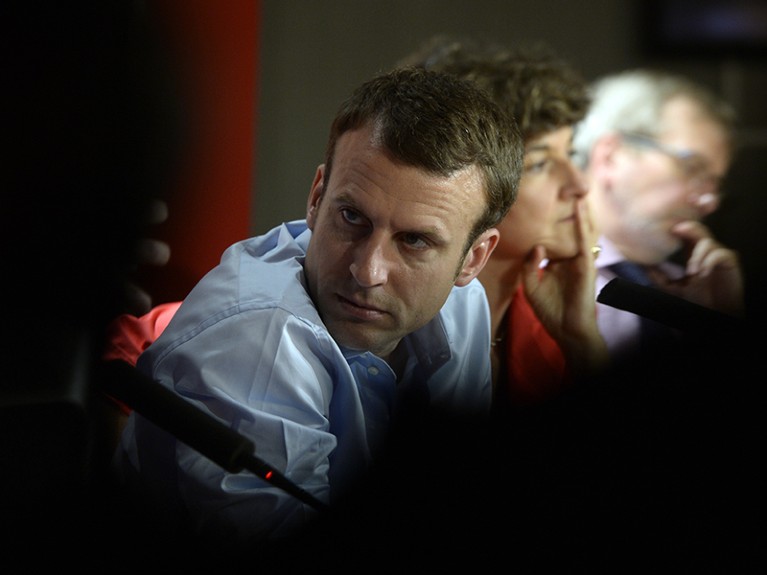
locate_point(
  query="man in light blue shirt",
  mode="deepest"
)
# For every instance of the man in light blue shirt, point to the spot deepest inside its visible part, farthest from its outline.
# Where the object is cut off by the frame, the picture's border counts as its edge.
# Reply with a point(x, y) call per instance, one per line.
point(310, 339)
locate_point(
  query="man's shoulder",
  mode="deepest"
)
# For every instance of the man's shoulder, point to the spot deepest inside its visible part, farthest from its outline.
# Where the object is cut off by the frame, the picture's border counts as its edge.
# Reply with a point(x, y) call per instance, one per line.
point(288, 240)
point(474, 292)
point(257, 276)
point(466, 305)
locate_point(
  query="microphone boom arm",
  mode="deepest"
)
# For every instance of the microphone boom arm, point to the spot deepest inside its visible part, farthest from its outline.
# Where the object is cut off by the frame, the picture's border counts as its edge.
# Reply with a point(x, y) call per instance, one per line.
point(191, 425)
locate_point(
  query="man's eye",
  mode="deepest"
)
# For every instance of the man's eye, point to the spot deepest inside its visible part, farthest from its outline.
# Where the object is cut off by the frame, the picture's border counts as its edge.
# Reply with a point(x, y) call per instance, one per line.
point(695, 165)
point(350, 216)
point(415, 241)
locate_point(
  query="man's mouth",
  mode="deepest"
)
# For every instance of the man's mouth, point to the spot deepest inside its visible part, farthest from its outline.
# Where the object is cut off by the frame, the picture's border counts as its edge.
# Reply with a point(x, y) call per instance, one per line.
point(360, 309)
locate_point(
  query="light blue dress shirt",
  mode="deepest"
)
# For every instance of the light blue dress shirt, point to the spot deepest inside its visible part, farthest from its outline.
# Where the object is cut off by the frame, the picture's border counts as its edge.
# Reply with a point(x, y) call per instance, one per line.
point(249, 347)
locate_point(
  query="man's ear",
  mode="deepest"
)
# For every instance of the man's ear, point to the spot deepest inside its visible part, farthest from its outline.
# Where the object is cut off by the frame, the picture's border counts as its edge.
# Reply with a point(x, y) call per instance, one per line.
point(315, 195)
point(478, 255)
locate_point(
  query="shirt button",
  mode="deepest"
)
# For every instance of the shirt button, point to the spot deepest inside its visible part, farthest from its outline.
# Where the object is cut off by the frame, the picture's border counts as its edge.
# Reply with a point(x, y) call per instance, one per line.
point(373, 370)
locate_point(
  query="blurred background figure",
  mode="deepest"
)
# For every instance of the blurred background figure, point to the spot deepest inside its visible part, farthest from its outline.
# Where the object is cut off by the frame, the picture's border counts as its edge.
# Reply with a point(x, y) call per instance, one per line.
point(656, 148)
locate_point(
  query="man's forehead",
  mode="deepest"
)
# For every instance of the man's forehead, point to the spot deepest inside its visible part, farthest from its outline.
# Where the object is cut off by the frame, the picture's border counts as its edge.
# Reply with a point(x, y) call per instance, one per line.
point(681, 113)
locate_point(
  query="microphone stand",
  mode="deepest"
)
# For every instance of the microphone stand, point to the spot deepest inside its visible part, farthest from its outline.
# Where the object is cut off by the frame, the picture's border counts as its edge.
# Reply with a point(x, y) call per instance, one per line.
point(193, 426)
point(668, 309)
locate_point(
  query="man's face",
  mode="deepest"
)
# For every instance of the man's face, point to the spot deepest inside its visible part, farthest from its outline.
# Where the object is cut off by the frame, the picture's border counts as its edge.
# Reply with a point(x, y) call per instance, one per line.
point(658, 183)
point(388, 243)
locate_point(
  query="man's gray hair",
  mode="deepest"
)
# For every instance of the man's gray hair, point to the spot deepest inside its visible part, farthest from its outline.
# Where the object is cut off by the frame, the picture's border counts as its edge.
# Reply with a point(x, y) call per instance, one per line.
point(632, 101)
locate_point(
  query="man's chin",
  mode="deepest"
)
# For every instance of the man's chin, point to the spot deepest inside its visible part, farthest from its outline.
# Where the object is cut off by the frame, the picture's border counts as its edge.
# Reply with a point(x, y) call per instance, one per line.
point(348, 336)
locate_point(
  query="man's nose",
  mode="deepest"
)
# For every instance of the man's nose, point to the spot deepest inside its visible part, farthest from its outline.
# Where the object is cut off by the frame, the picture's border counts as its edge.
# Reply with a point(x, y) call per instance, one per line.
point(370, 266)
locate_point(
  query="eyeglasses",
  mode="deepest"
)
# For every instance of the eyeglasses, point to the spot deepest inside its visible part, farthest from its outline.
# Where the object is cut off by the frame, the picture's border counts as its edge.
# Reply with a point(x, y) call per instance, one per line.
point(693, 167)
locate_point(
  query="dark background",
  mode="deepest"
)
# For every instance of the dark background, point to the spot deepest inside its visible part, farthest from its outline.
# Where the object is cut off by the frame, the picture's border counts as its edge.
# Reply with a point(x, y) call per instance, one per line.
point(222, 109)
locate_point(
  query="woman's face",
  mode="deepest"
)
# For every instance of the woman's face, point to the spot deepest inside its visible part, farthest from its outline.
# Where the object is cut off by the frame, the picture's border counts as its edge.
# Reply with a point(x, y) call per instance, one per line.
point(544, 212)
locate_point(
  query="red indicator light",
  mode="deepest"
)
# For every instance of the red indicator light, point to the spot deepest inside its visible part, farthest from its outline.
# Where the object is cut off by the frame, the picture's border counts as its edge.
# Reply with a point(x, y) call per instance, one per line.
point(268, 475)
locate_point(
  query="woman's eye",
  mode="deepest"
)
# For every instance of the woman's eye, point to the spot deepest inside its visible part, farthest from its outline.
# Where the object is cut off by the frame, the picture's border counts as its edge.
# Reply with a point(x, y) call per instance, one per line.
point(536, 166)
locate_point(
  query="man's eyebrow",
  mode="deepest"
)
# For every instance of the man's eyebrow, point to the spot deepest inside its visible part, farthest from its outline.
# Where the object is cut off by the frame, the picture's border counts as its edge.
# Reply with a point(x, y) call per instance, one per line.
point(344, 197)
point(433, 234)
point(430, 232)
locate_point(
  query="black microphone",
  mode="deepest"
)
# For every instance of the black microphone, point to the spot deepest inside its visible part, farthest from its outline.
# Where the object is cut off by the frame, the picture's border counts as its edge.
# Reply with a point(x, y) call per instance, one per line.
point(193, 426)
point(668, 309)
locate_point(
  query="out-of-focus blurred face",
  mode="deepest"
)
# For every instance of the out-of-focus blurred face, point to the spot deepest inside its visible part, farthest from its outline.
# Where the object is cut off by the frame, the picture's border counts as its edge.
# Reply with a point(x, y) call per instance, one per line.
point(544, 212)
point(655, 184)
point(388, 243)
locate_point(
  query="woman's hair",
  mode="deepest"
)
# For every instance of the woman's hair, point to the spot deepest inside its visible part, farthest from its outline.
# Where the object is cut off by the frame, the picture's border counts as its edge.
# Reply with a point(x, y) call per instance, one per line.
point(541, 91)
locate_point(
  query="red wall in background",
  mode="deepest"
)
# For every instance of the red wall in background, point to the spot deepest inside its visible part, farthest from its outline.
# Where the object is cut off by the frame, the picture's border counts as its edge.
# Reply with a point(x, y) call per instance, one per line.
point(214, 48)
